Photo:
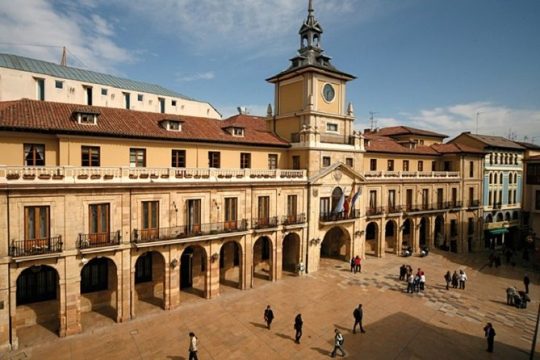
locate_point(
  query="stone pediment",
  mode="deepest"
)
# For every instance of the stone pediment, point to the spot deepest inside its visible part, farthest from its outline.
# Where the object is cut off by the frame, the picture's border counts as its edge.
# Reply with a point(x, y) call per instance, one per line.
point(337, 174)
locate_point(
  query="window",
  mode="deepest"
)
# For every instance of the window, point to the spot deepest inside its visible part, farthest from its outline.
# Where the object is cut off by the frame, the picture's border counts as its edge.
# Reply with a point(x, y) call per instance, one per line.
point(237, 131)
point(34, 154)
point(326, 161)
point(500, 178)
point(137, 157)
point(36, 222)
point(94, 276)
point(173, 102)
point(447, 166)
point(88, 94)
point(292, 201)
point(178, 159)
point(161, 105)
point(471, 169)
point(325, 205)
point(349, 162)
point(373, 199)
point(490, 178)
point(99, 222)
point(471, 197)
point(171, 125)
point(433, 166)
point(390, 166)
point(90, 156)
point(490, 201)
point(470, 226)
point(36, 284)
point(454, 196)
point(127, 101)
point(193, 216)
point(272, 161)
point(143, 268)
point(87, 119)
point(453, 228)
point(104, 91)
point(510, 197)
point(391, 199)
point(331, 127)
point(214, 159)
point(140, 97)
point(425, 198)
point(490, 159)
point(245, 160)
point(420, 165)
point(231, 213)
point(409, 199)
point(263, 210)
point(59, 84)
point(405, 165)
point(40, 89)
point(296, 162)
point(440, 198)
point(150, 220)
point(373, 164)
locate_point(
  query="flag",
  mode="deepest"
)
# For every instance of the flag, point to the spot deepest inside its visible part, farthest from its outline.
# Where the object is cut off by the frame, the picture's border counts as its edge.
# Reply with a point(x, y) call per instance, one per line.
point(355, 197)
point(339, 207)
point(348, 201)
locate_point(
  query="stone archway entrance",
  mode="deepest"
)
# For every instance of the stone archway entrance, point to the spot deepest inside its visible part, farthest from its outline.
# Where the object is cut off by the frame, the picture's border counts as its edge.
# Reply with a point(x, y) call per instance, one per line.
point(262, 258)
point(99, 291)
point(336, 244)
point(149, 281)
point(230, 264)
point(406, 231)
point(290, 253)
point(390, 236)
point(37, 299)
point(423, 239)
point(372, 239)
point(193, 265)
point(440, 238)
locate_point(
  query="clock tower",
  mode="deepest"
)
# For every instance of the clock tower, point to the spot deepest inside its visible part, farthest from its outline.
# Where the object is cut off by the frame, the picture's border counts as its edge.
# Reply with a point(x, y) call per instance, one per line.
point(310, 106)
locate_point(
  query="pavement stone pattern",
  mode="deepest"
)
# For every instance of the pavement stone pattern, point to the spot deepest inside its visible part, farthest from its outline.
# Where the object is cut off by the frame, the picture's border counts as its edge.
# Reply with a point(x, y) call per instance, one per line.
point(435, 323)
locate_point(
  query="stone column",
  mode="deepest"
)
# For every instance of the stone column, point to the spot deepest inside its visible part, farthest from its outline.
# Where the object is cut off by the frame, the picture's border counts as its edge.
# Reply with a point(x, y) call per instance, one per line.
point(278, 257)
point(124, 286)
point(212, 272)
point(70, 295)
point(173, 282)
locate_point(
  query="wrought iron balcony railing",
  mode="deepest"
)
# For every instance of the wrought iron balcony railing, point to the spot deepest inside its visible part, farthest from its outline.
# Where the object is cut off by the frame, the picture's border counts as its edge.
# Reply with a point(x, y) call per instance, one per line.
point(374, 211)
point(187, 231)
point(293, 219)
point(335, 216)
point(264, 223)
point(36, 246)
point(88, 241)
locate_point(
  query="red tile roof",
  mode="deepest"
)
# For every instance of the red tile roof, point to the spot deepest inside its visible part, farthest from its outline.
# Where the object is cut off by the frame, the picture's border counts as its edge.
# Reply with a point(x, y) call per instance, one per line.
point(455, 149)
point(386, 144)
point(33, 115)
point(406, 130)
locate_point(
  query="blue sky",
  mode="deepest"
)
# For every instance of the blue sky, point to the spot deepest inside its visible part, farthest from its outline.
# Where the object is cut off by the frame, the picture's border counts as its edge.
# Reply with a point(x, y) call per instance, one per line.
point(432, 64)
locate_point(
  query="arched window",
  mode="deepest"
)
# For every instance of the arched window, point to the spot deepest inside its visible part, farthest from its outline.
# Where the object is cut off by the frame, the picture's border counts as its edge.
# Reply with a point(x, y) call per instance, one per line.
point(490, 178)
point(500, 178)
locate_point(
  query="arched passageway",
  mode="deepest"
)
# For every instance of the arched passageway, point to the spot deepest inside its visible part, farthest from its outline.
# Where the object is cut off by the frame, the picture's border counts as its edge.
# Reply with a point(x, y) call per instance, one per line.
point(390, 236)
point(406, 233)
point(193, 268)
point(230, 264)
point(149, 281)
point(290, 253)
point(372, 239)
point(424, 232)
point(336, 244)
point(99, 291)
point(262, 258)
point(37, 298)
point(440, 237)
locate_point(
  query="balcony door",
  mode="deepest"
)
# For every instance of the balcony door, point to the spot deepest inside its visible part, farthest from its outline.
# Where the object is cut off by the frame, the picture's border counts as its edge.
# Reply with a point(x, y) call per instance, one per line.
point(409, 199)
point(292, 201)
point(36, 229)
point(231, 213)
point(99, 223)
point(193, 216)
point(263, 210)
point(150, 220)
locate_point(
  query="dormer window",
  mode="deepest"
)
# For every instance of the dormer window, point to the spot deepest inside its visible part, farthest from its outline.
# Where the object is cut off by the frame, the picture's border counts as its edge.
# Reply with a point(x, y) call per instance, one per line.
point(86, 117)
point(236, 131)
point(172, 125)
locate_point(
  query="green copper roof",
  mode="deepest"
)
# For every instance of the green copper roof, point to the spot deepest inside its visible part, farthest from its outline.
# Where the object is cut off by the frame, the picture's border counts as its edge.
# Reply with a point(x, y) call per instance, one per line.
point(66, 72)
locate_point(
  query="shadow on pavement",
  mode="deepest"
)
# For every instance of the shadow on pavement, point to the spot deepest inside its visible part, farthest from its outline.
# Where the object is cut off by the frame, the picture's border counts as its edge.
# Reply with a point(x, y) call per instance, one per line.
point(262, 326)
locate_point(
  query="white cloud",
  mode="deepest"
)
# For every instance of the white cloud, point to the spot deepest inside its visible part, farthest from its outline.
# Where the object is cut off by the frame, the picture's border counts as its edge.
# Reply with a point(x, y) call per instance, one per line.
point(36, 28)
point(493, 119)
point(209, 75)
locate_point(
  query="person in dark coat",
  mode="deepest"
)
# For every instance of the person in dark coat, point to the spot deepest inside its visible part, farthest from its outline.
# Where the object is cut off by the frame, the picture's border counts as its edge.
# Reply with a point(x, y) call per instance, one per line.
point(358, 314)
point(268, 316)
point(455, 280)
point(489, 332)
point(448, 279)
point(526, 282)
point(298, 323)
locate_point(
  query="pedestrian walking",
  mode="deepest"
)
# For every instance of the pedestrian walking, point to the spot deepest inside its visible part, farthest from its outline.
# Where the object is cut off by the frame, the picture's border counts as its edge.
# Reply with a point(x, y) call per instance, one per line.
point(357, 264)
point(422, 281)
point(358, 314)
point(402, 272)
point(448, 279)
point(455, 280)
point(462, 279)
point(338, 344)
point(352, 265)
point(526, 282)
point(489, 332)
point(298, 323)
point(268, 316)
point(193, 346)
point(410, 284)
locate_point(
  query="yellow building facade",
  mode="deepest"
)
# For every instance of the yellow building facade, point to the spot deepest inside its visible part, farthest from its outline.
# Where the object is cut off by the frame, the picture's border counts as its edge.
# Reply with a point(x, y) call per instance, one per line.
point(116, 211)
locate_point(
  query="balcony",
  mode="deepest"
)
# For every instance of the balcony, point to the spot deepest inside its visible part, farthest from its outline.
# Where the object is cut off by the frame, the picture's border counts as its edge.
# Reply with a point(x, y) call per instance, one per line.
point(394, 209)
point(427, 207)
point(336, 139)
point(497, 205)
point(50, 245)
point(334, 216)
point(97, 240)
point(293, 219)
point(264, 223)
point(374, 211)
point(392, 175)
point(128, 175)
point(187, 231)
point(474, 203)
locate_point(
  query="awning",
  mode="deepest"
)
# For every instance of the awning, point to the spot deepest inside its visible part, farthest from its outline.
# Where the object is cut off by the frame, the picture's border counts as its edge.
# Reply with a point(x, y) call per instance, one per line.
point(498, 231)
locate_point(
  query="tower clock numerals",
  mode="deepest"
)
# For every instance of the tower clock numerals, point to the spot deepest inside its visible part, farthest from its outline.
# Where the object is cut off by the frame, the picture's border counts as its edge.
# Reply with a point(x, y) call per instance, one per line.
point(328, 92)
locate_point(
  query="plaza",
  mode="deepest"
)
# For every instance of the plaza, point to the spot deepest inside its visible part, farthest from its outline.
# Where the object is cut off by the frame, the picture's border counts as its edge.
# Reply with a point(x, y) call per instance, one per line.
point(434, 324)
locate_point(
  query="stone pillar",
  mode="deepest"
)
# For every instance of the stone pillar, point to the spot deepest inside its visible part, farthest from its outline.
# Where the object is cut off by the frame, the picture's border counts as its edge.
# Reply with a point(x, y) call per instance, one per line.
point(415, 235)
point(212, 271)
point(70, 296)
point(173, 282)
point(248, 261)
point(13, 307)
point(277, 262)
point(124, 286)
point(382, 240)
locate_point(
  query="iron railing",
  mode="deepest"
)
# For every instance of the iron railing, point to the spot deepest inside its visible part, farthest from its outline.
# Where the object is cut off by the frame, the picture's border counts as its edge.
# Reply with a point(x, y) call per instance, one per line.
point(187, 231)
point(374, 210)
point(337, 216)
point(293, 219)
point(88, 241)
point(264, 223)
point(36, 246)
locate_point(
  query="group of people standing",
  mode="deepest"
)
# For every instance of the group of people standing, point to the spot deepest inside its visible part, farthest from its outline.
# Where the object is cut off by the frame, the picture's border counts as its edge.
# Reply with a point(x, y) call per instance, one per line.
point(356, 264)
point(455, 279)
point(415, 282)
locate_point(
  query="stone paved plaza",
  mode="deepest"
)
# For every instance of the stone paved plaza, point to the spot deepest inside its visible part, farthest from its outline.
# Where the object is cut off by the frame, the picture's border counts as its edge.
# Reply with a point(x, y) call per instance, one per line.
point(437, 324)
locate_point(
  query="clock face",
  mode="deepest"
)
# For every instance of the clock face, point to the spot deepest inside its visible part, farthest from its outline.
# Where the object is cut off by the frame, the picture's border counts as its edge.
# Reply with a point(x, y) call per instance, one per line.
point(328, 92)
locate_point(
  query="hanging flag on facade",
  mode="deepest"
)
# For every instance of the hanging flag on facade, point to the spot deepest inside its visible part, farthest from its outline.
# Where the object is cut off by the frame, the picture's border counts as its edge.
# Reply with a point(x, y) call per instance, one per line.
point(355, 197)
point(340, 205)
